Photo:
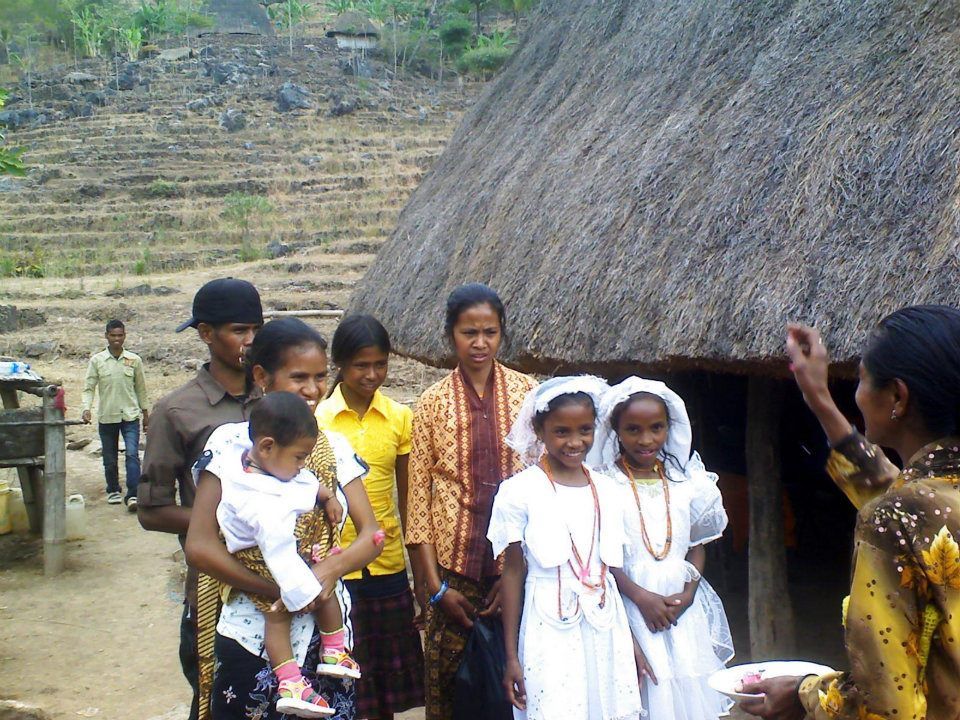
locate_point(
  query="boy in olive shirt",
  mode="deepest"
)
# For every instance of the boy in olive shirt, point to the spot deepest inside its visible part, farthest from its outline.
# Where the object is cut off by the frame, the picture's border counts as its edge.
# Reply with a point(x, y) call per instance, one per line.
point(117, 374)
point(227, 314)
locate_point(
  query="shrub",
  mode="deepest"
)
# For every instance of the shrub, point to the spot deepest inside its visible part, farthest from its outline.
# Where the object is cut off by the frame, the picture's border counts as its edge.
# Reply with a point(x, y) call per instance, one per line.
point(483, 62)
point(142, 266)
point(289, 13)
point(239, 208)
point(163, 189)
point(169, 17)
point(496, 39)
point(456, 34)
point(338, 7)
point(10, 162)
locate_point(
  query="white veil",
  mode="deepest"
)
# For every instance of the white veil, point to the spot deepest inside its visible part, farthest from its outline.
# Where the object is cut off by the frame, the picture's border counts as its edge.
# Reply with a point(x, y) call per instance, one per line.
point(606, 449)
point(522, 436)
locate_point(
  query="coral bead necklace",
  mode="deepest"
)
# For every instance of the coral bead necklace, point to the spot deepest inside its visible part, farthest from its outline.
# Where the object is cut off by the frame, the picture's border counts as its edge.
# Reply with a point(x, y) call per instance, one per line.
point(657, 468)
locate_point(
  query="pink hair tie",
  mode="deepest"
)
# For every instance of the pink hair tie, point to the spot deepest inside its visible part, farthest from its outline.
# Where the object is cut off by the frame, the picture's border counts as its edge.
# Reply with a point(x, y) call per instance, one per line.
point(378, 537)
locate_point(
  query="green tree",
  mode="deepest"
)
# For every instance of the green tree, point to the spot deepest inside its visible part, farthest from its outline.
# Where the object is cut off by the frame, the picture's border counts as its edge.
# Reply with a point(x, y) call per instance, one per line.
point(239, 208)
point(10, 162)
point(476, 6)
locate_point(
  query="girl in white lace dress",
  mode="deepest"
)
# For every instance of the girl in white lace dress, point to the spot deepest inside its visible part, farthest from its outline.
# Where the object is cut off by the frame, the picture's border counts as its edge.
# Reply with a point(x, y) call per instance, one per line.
point(672, 509)
point(570, 655)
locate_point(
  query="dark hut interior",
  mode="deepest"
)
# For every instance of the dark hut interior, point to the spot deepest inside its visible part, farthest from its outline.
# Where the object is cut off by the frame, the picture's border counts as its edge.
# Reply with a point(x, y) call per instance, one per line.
point(658, 187)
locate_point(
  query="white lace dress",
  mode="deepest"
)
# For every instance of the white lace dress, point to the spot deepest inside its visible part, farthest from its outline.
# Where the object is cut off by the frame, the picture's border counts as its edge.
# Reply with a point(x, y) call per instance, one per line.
point(577, 656)
point(684, 656)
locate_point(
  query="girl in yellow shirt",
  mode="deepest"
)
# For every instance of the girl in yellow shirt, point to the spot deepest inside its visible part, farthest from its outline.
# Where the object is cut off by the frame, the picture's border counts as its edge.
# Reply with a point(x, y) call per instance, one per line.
point(386, 641)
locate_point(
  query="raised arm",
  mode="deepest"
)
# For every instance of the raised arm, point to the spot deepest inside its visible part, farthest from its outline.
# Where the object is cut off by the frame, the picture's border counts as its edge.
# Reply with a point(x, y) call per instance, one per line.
point(810, 363)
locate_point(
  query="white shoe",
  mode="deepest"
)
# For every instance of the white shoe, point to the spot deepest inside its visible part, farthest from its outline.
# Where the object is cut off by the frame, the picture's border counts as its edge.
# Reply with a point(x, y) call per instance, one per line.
point(132, 504)
point(114, 498)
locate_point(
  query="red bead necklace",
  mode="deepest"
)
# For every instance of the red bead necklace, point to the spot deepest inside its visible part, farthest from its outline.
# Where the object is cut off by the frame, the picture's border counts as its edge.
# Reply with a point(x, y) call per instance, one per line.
point(658, 468)
point(582, 571)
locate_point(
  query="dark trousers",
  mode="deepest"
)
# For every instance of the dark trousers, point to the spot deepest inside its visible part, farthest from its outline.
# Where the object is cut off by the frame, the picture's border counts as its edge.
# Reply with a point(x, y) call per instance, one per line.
point(189, 662)
point(110, 440)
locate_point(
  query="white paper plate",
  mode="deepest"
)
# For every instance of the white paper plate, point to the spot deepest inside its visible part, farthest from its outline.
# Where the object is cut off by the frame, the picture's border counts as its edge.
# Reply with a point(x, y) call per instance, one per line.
point(724, 681)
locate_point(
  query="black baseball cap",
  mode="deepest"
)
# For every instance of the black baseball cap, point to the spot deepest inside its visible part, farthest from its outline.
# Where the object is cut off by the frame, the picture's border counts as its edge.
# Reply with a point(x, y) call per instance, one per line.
point(225, 300)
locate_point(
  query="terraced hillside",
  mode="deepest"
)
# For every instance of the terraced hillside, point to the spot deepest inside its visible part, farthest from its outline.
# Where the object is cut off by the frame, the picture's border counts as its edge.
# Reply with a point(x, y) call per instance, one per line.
point(122, 215)
point(140, 185)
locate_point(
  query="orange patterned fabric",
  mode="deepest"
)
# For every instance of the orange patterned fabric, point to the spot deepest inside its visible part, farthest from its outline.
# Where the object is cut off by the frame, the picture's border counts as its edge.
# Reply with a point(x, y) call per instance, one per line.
point(443, 508)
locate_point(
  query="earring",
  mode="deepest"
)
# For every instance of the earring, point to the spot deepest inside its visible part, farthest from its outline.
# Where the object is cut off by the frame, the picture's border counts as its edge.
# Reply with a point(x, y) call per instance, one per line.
point(894, 416)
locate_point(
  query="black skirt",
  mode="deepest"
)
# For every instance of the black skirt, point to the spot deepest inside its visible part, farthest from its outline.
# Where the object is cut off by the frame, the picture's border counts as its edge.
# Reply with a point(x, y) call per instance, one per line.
point(387, 645)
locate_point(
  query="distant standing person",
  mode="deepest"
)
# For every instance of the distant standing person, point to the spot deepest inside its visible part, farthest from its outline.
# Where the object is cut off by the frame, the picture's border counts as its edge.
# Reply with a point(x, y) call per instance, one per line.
point(227, 314)
point(118, 374)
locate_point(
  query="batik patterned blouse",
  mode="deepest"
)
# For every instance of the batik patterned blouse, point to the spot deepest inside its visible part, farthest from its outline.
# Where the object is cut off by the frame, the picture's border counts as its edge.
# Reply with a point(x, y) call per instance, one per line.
point(903, 615)
point(458, 459)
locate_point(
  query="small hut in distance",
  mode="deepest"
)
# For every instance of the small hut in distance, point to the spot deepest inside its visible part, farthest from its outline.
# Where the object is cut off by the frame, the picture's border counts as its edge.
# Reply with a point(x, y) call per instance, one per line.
point(659, 188)
point(354, 31)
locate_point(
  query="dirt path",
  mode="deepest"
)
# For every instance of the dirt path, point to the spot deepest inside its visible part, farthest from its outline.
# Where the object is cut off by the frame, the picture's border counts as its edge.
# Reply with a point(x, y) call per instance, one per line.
point(101, 639)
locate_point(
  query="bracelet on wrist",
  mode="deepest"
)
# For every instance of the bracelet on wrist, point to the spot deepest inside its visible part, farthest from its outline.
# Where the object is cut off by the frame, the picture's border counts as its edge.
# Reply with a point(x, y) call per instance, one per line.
point(444, 586)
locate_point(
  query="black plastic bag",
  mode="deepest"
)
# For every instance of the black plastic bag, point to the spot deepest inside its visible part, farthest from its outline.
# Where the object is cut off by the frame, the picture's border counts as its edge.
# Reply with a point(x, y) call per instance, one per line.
point(478, 687)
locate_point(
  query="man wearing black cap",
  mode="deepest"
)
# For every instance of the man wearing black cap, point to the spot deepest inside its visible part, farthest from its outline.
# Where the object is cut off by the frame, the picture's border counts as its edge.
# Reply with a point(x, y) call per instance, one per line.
point(227, 314)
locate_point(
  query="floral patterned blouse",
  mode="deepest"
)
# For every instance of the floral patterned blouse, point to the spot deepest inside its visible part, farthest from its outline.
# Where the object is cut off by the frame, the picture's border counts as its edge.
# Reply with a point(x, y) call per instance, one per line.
point(903, 614)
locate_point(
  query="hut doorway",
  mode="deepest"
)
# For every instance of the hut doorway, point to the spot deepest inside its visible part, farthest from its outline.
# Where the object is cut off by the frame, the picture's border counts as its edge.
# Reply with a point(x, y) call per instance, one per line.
point(803, 508)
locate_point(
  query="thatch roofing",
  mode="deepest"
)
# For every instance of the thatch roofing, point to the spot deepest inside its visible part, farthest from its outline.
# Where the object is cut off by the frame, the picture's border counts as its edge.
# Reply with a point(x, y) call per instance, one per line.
point(238, 17)
point(353, 24)
point(666, 183)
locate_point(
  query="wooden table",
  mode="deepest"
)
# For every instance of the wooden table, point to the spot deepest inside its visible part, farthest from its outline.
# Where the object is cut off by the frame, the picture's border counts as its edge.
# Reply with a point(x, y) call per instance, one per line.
point(42, 478)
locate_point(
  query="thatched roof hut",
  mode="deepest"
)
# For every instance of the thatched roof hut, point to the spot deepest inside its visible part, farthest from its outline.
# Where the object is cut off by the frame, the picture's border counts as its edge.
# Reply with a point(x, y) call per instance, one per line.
point(354, 30)
point(665, 184)
point(661, 186)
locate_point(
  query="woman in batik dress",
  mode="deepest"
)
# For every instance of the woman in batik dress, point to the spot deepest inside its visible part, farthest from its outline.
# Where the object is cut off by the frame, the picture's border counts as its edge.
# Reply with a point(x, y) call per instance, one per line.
point(457, 461)
point(902, 618)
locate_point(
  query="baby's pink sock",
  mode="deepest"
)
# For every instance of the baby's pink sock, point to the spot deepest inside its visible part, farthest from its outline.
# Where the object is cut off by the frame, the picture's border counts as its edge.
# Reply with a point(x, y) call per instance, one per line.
point(288, 670)
point(334, 640)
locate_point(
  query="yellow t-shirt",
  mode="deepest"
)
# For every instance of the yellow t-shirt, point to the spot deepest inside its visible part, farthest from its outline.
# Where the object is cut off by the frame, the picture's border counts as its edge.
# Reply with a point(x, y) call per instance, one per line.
point(382, 434)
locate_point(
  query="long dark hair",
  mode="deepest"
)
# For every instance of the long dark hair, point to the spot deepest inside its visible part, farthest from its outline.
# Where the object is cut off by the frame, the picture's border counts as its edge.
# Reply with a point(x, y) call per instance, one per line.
point(276, 337)
point(353, 334)
point(470, 295)
point(920, 345)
